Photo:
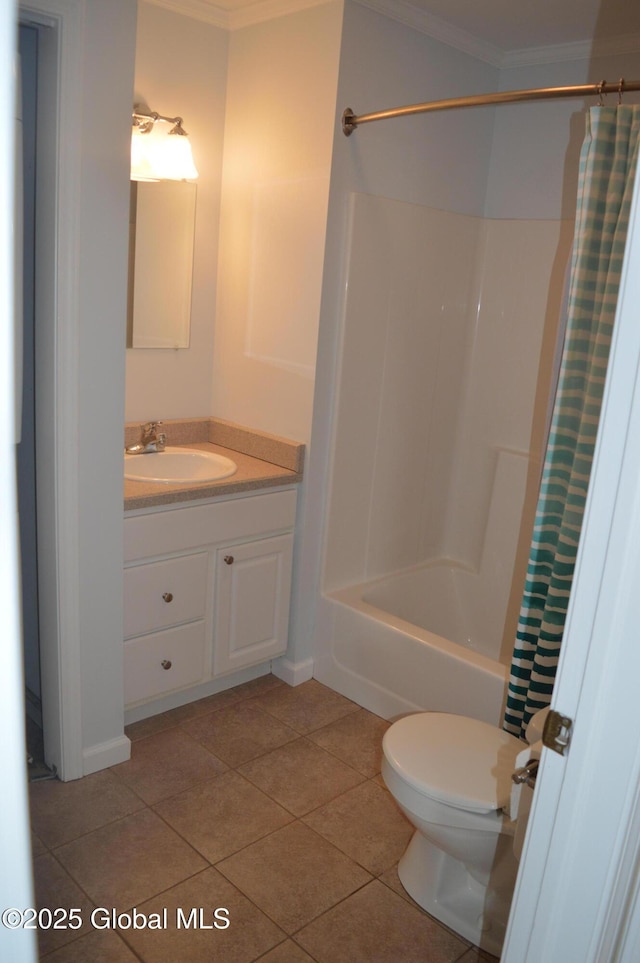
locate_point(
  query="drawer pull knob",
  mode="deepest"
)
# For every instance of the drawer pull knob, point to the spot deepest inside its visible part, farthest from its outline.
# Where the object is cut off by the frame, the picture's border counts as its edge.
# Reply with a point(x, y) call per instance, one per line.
point(167, 596)
point(229, 559)
point(166, 664)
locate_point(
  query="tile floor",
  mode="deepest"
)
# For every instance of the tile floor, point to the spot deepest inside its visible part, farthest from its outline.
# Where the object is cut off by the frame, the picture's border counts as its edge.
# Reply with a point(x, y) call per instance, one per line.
point(264, 800)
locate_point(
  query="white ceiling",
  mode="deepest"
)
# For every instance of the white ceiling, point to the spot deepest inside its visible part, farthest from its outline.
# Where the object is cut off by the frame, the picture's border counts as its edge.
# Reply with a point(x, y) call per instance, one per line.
point(516, 24)
point(501, 26)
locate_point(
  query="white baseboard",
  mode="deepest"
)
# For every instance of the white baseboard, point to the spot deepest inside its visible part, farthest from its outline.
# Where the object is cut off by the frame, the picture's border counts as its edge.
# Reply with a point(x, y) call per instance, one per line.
point(106, 754)
point(293, 673)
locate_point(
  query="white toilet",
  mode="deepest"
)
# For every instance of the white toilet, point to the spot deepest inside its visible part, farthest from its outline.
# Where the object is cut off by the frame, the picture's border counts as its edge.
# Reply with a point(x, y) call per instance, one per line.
point(451, 776)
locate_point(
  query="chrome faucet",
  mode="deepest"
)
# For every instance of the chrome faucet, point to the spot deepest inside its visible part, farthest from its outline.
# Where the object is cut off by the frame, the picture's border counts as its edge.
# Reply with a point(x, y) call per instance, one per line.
point(151, 440)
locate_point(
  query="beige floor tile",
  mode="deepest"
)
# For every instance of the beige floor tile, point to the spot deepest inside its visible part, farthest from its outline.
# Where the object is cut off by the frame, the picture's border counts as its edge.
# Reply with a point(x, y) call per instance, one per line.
point(256, 687)
point(223, 815)
point(175, 717)
point(356, 739)
point(165, 764)
point(475, 955)
point(54, 889)
point(365, 824)
point(303, 752)
point(306, 707)
point(212, 703)
point(37, 846)
point(149, 727)
point(239, 733)
point(201, 707)
point(121, 864)
point(375, 926)
point(301, 776)
point(293, 875)
point(249, 933)
point(99, 946)
point(62, 811)
point(391, 879)
point(288, 952)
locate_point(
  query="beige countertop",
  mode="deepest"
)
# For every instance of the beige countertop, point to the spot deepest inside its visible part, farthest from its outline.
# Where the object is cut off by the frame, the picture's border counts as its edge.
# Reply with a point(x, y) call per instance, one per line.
point(253, 473)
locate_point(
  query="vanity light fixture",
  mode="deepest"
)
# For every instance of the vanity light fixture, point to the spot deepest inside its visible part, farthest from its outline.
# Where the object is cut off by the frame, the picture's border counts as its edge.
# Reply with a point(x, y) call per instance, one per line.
point(158, 154)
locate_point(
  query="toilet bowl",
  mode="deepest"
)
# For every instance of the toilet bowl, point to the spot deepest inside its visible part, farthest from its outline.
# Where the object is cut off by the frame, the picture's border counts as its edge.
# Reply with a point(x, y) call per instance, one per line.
point(451, 776)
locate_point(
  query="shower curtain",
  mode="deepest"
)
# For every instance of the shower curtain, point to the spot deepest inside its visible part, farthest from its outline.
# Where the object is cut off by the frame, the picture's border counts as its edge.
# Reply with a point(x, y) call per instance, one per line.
point(607, 170)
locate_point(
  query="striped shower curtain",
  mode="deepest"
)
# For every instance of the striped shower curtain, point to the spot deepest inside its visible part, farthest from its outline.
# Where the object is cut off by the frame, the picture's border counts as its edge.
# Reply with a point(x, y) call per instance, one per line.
point(607, 169)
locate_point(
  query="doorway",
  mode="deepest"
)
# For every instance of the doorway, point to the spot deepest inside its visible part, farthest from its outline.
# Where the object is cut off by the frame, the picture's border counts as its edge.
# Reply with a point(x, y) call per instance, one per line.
point(26, 450)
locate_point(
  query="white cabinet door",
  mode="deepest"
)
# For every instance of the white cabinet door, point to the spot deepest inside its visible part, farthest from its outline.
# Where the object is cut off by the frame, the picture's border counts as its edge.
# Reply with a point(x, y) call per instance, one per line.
point(251, 609)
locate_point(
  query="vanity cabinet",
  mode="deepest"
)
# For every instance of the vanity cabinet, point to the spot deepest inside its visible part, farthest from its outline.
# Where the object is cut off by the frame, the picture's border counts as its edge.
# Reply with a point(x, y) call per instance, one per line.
point(206, 591)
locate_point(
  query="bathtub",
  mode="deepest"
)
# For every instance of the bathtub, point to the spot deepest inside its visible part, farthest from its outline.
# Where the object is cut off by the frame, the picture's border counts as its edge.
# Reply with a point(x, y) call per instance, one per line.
point(428, 638)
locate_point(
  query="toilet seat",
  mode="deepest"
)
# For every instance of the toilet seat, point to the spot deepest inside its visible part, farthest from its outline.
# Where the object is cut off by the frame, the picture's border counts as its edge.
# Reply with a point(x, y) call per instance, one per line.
point(461, 762)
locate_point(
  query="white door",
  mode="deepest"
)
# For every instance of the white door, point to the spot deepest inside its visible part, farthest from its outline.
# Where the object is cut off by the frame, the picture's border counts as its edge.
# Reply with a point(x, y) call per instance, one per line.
point(577, 892)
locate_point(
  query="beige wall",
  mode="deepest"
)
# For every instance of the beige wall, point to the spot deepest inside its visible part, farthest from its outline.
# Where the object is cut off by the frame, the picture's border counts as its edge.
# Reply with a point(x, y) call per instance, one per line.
point(260, 212)
point(181, 70)
point(278, 142)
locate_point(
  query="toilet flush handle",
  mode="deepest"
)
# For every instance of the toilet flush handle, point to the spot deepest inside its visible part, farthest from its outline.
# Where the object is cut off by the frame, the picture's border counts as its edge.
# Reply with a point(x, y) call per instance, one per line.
point(527, 774)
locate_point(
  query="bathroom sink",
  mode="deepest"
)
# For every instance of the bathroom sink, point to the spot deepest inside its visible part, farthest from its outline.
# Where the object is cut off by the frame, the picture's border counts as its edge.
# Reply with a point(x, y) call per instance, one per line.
point(178, 465)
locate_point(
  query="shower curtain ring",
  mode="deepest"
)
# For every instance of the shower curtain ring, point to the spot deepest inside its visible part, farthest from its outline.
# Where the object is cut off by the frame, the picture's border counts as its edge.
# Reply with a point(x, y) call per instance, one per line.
point(600, 88)
point(620, 87)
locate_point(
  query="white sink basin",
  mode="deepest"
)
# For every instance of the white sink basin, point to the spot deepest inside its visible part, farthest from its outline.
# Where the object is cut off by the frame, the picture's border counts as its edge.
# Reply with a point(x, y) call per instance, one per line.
point(178, 465)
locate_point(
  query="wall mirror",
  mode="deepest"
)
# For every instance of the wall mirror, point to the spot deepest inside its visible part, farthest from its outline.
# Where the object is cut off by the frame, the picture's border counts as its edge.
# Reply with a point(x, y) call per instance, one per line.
point(161, 232)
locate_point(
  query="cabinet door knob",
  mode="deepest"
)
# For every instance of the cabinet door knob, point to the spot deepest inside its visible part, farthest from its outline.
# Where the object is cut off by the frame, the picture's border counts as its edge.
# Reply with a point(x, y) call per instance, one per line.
point(229, 559)
point(167, 596)
point(166, 663)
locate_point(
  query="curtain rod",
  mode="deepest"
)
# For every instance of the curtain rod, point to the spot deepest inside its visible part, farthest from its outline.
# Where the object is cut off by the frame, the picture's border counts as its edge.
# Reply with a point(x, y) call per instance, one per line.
point(350, 120)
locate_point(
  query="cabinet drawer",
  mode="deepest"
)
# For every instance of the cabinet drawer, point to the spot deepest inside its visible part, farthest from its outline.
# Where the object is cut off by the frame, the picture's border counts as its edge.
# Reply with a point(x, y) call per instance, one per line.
point(164, 661)
point(160, 594)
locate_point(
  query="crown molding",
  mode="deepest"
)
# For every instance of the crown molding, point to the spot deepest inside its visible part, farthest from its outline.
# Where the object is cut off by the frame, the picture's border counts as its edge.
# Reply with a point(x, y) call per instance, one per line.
point(196, 9)
point(627, 43)
point(439, 29)
point(253, 13)
point(468, 43)
point(581, 50)
point(411, 16)
point(269, 10)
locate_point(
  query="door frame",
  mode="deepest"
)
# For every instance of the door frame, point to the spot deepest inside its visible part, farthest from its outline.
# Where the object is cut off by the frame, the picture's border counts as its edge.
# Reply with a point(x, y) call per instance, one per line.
point(59, 24)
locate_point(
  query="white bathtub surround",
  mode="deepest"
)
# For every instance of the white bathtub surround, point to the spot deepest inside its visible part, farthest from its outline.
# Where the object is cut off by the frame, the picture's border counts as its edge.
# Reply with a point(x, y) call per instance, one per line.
point(510, 347)
point(393, 666)
point(448, 336)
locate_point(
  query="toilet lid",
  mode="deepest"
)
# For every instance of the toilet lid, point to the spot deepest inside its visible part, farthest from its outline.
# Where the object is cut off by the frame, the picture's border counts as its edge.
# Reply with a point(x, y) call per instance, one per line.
point(455, 760)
